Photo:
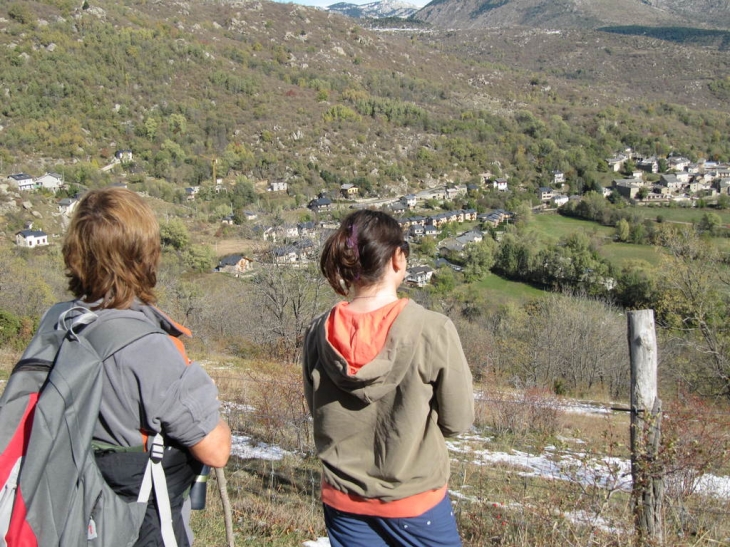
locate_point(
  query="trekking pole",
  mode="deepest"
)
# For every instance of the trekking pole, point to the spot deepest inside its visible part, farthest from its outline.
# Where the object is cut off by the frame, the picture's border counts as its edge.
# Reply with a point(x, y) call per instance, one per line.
point(227, 513)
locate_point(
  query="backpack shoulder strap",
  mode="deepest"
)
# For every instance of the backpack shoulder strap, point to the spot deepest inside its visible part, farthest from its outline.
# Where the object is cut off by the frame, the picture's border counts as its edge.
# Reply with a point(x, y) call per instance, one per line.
point(109, 333)
point(154, 477)
point(47, 338)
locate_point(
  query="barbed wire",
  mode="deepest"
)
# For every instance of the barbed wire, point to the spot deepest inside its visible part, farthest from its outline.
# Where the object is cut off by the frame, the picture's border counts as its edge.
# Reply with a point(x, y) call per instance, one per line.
point(244, 391)
point(536, 401)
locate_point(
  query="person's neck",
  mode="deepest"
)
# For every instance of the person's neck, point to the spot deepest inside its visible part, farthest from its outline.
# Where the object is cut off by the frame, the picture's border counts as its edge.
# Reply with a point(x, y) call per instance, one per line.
point(372, 298)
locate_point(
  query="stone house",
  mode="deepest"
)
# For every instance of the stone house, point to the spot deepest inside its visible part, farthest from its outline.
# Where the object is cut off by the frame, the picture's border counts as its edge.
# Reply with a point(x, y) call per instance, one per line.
point(545, 193)
point(349, 191)
point(31, 238)
point(235, 264)
point(419, 276)
point(500, 185)
point(50, 181)
point(320, 204)
point(23, 182)
point(278, 186)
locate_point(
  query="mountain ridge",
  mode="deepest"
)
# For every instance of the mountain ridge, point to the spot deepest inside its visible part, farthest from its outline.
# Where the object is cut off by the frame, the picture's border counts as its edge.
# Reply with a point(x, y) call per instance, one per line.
point(473, 14)
point(375, 10)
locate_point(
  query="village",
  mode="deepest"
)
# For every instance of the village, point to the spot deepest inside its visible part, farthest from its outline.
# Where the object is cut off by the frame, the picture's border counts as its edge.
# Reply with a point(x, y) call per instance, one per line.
point(297, 244)
point(652, 181)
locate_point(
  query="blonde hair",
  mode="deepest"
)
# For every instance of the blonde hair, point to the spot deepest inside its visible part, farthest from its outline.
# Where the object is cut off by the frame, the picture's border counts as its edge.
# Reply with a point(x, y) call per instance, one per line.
point(112, 249)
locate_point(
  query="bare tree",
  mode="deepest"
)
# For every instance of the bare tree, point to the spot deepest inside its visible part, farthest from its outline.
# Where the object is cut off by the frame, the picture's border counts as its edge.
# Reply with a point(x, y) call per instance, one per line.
point(287, 298)
point(565, 342)
point(694, 305)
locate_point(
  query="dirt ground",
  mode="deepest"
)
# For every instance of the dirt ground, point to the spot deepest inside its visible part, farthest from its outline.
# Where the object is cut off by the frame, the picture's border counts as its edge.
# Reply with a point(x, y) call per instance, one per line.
point(225, 247)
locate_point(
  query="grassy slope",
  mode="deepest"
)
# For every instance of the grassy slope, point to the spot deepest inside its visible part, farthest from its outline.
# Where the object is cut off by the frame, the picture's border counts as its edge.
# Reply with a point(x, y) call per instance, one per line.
point(620, 254)
point(680, 214)
point(553, 227)
point(498, 291)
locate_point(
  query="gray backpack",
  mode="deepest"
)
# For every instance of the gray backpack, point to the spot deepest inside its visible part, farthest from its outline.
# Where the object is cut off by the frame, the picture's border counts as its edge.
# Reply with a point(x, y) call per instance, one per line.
point(52, 491)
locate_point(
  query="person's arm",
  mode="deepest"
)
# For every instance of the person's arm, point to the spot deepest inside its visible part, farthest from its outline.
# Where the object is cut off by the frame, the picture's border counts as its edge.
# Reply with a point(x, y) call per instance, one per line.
point(174, 398)
point(453, 389)
point(215, 448)
point(307, 356)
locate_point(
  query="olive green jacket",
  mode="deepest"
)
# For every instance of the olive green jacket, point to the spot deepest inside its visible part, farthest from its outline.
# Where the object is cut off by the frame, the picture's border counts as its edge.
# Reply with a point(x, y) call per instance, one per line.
point(380, 433)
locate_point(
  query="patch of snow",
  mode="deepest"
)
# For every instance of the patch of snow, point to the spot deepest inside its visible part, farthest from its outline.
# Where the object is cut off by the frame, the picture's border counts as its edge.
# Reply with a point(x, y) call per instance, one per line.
point(711, 485)
point(319, 542)
point(611, 473)
point(595, 521)
point(242, 447)
point(583, 408)
point(605, 472)
point(237, 407)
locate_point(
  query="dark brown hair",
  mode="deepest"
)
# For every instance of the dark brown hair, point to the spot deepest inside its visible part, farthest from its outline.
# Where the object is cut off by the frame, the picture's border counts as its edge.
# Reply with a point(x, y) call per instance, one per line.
point(358, 252)
point(112, 249)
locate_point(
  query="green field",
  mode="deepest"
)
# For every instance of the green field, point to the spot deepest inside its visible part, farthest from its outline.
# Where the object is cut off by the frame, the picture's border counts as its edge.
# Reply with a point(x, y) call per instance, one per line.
point(620, 254)
point(679, 214)
point(497, 290)
point(550, 228)
point(553, 227)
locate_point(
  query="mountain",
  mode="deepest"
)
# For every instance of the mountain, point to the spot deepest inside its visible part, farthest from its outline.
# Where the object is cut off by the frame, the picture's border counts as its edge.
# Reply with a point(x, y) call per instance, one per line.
point(375, 10)
point(263, 91)
point(473, 14)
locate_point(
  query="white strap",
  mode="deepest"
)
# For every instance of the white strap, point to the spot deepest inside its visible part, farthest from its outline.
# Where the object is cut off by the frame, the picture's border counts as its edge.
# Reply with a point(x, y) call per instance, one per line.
point(74, 317)
point(154, 475)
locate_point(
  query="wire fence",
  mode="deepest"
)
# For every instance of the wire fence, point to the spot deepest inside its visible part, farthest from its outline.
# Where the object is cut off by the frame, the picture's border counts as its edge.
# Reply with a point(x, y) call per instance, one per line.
point(532, 461)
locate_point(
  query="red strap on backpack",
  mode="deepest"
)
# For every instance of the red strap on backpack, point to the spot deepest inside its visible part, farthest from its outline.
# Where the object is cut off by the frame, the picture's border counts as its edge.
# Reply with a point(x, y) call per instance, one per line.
point(19, 532)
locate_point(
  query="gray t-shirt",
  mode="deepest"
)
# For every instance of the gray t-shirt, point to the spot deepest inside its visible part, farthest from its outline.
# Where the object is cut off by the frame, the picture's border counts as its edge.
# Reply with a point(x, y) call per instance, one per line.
point(149, 386)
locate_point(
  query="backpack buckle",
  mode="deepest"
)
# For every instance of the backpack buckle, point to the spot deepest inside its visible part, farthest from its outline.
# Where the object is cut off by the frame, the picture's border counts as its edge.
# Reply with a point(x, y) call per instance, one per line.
point(157, 451)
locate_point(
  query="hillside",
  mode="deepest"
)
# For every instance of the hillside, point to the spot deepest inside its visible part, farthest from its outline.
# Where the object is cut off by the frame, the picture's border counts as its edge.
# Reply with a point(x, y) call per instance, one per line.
point(260, 85)
point(266, 91)
point(612, 67)
point(561, 14)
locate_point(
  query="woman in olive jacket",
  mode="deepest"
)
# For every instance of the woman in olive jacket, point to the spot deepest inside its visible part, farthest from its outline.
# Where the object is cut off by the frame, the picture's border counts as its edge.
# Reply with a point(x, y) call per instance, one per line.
point(386, 380)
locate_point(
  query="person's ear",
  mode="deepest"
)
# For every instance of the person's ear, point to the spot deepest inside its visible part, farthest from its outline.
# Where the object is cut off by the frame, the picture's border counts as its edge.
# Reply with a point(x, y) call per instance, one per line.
point(396, 260)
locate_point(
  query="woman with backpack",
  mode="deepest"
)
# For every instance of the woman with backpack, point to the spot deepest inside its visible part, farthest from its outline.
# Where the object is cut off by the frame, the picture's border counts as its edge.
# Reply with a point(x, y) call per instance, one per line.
point(111, 252)
point(386, 381)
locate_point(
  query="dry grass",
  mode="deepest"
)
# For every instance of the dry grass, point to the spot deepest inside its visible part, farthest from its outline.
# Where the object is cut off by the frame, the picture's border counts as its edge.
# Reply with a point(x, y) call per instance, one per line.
point(8, 358)
point(225, 247)
point(277, 502)
point(273, 503)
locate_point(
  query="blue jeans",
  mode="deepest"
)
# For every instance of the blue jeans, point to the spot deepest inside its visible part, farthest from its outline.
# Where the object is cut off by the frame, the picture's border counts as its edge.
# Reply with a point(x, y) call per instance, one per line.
point(434, 528)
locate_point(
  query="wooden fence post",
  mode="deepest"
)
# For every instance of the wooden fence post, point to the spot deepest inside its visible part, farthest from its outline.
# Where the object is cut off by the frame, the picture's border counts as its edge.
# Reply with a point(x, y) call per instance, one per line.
point(648, 486)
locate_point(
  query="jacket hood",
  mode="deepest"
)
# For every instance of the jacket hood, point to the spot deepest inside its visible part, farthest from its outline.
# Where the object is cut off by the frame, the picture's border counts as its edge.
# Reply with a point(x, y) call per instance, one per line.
point(156, 316)
point(160, 318)
point(384, 373)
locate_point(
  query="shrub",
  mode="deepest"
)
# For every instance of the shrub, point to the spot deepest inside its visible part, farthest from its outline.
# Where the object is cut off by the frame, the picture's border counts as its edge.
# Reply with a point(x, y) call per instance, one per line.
point(10, 326)
point(532, 411)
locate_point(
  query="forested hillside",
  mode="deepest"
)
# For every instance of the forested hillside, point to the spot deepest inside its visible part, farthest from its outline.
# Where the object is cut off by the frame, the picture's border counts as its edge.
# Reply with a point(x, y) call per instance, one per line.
point(286, 92)
point(259, 92)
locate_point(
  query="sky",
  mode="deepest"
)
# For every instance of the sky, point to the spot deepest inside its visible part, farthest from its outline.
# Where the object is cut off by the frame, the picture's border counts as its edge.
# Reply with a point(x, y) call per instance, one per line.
point(324, 3)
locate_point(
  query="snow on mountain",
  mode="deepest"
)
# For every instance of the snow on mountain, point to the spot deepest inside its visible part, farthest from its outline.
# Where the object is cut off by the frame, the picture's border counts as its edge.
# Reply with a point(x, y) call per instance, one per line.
point(375, 10)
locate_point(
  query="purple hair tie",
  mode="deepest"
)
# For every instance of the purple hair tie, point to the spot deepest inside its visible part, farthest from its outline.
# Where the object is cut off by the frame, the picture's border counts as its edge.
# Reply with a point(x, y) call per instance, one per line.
point(351, 243)
point(351, 240)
